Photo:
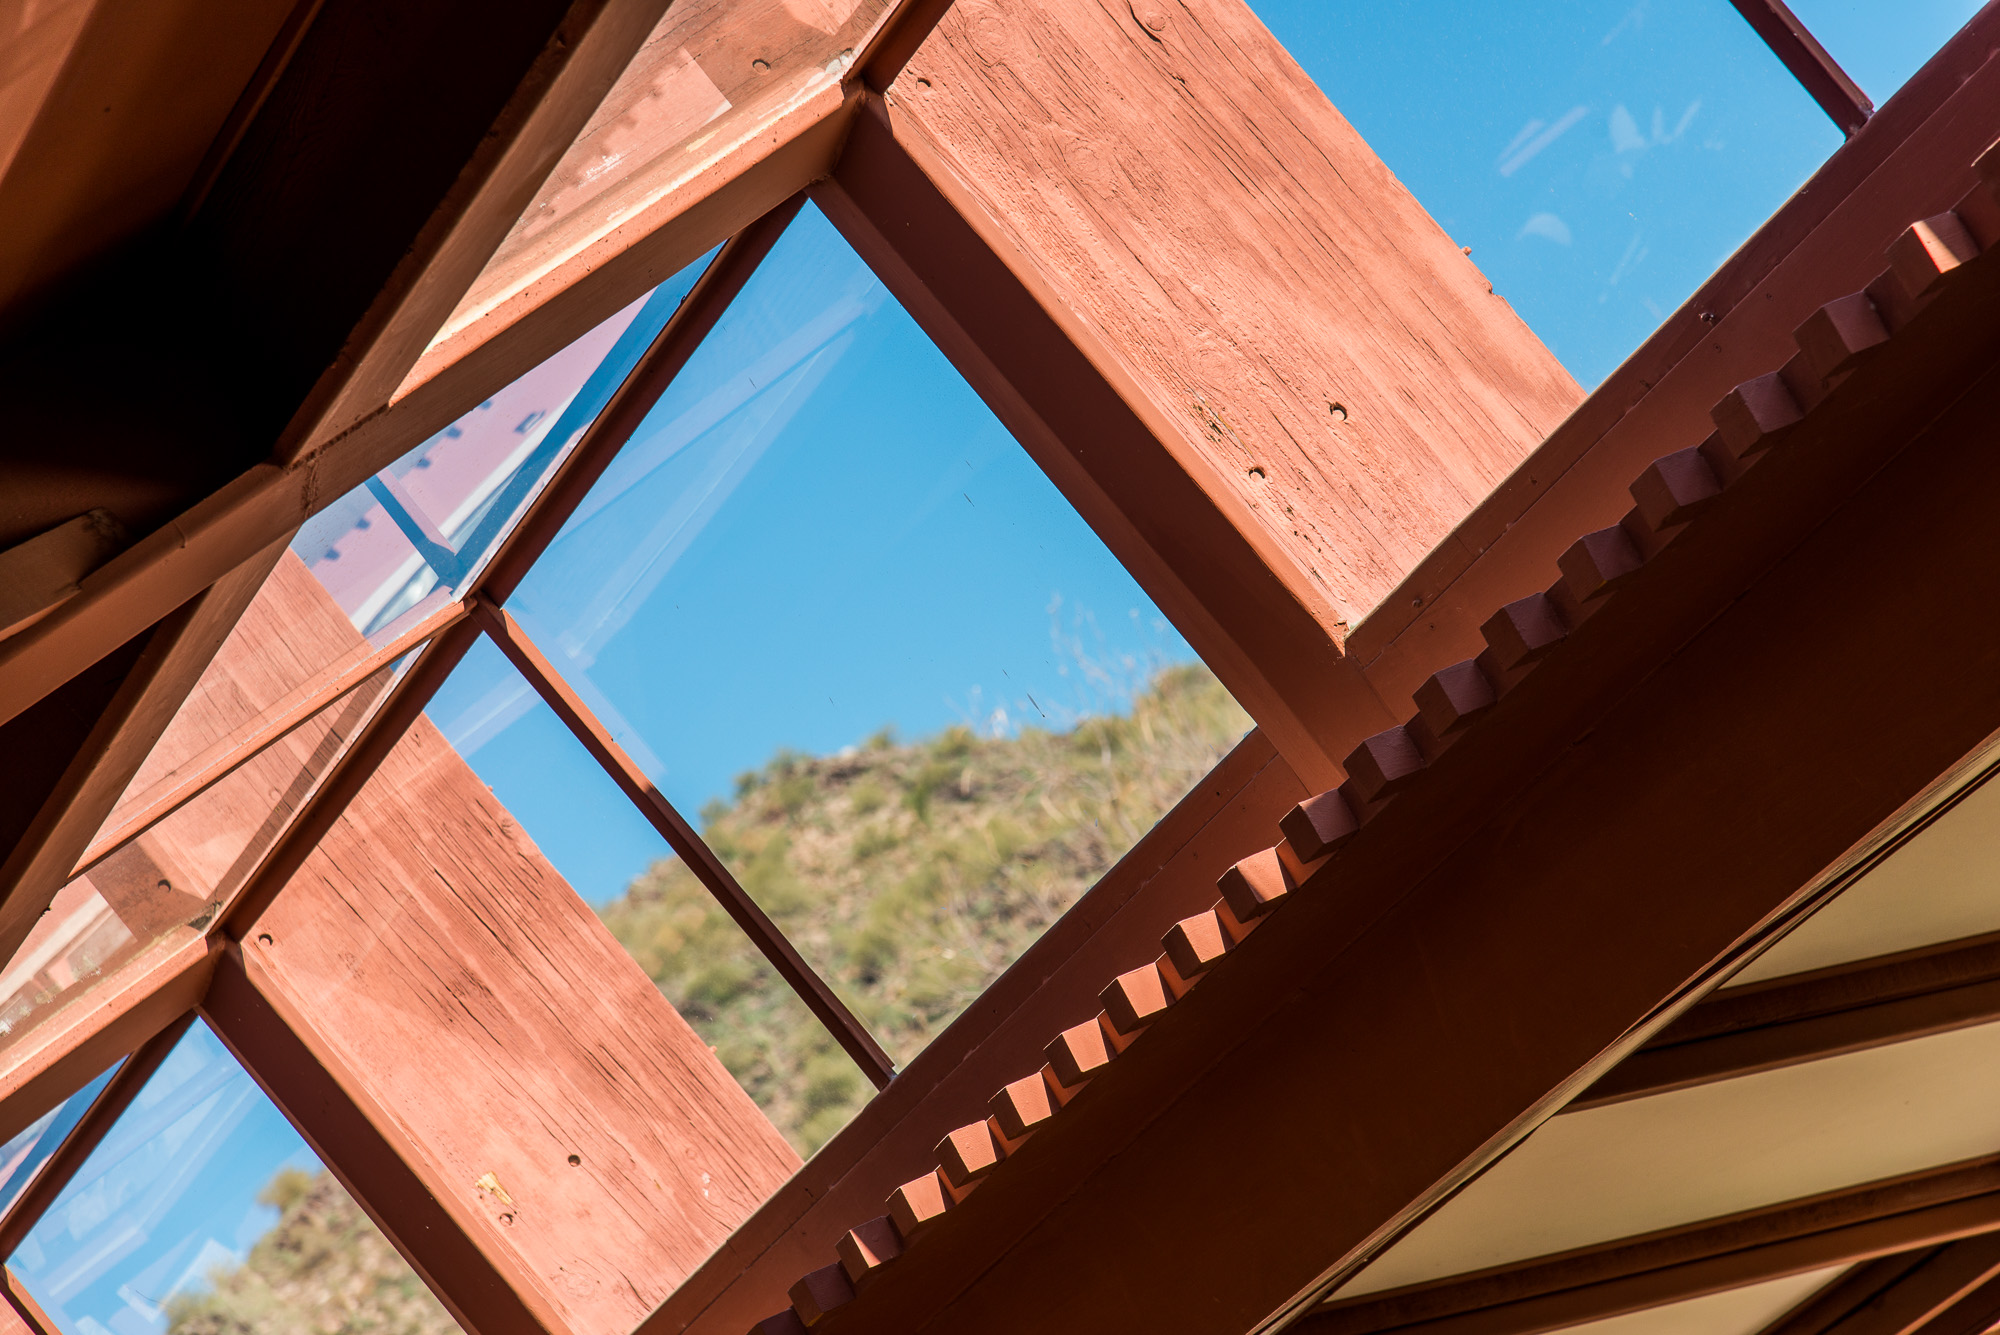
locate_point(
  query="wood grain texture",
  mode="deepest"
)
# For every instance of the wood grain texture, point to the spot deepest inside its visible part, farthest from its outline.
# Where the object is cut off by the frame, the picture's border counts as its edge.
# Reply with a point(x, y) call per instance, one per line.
point(1186, 189)
point(291, 631)
point(438, 958)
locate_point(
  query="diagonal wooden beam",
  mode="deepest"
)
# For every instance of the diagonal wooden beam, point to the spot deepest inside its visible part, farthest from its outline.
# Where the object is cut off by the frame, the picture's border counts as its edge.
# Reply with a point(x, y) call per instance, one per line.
point(73, 811)
point(1864, 1223)
point(1800, 52)
point(1939, 1281)
point(1785, 1021)
point(1975, 1314)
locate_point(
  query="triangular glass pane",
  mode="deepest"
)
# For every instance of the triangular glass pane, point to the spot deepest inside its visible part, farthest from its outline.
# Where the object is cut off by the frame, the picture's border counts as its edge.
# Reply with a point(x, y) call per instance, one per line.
point(202, 1210)
point(414, 534)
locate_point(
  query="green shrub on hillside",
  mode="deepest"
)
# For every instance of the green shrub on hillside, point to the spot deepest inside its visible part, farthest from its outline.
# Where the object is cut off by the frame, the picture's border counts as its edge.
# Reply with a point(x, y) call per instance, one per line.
point(910, 875)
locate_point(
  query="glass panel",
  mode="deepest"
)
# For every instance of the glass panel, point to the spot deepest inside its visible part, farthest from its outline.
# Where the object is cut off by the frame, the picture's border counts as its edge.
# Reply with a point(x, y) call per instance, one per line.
point(1600, 157)
point(703, 963)
point(402, 542)
point(827, 602)
point(1882, 45)
point(203, 1211)
point(28, 1151)
point(165, 885)
point(710, 78)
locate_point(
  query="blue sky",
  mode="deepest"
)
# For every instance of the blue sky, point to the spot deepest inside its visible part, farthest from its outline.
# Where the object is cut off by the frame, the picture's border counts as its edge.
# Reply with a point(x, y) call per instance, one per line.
point(169, 1195)
point(820, 532)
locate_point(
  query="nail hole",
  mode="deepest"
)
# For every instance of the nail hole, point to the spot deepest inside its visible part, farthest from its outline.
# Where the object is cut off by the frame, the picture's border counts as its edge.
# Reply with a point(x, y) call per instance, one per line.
point(760, 65)
point(263, 938)
point(1257, 470)
point(576, 1161)
point(1339, 411)
point(507, 1218)
point(167, 886)
point(923, 83)
point(1416, 602)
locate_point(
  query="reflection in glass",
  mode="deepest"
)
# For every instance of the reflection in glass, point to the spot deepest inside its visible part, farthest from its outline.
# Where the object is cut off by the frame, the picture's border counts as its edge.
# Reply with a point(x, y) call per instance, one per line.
point(164, 887)
point(828, 603)
point(1600, 157)
point(203, 1211)
point(21, 1156)
point(713, 75)
point(403, 541)
point(1882, 45)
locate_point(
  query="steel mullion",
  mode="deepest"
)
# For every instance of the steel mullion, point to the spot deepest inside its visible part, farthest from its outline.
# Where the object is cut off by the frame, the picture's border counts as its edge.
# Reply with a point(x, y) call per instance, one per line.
point(1817, 72)
point(517, 553)
point(109, 1105)
point(846, 1028)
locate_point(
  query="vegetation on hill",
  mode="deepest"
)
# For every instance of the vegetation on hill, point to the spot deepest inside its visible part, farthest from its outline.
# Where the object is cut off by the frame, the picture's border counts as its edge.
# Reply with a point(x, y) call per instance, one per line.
point(909, 873)
point(324, 1269)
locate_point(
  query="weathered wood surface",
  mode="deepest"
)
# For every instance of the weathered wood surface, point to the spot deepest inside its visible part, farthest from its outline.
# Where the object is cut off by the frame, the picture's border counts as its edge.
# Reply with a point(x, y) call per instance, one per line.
point(726, 110)
point(441, 961)
point(176, 873)
point(1184, 187)
point(291, 631)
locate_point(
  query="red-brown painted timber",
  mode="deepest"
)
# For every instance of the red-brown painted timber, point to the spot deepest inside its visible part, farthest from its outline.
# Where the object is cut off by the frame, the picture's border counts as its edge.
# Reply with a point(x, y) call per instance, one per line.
point(1489, 878)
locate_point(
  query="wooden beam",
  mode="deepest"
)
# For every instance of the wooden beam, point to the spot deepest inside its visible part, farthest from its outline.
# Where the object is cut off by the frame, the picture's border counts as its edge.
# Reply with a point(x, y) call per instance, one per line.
point(714, 875)
point(1216, 451)
point(1939, 1282)
point(1800, 52)
point(98, 1119)
point(1904, 1217)
point(180, 650)
point(1784, 1021)
point(462, 993)
point(1486, 876)
point(364, 1147)
point(70, 1049)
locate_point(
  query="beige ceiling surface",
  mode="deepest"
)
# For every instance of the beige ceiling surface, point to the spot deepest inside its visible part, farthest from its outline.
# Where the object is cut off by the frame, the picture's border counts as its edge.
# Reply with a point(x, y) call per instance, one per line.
point(1742, 1311)
point(1942, 885)
point(1694, 1154)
